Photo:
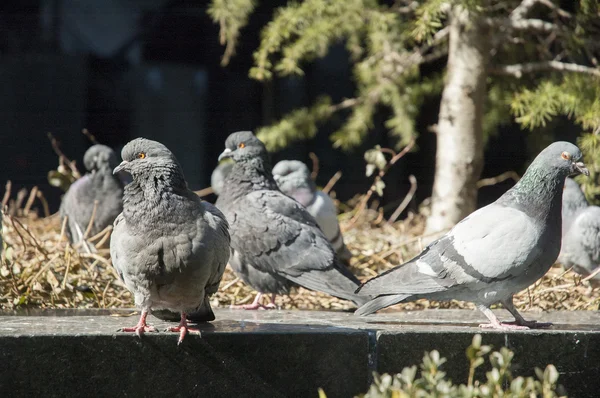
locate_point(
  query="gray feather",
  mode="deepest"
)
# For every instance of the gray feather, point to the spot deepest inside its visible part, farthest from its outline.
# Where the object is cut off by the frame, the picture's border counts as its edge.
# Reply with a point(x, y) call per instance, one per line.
point(275, 242)
point(294, 180)
point(169, 246)
point(98, 185)
point(493, 253)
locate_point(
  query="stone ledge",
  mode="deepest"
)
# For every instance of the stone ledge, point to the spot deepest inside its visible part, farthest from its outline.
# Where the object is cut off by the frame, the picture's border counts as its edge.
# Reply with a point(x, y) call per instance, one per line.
point(271, 353)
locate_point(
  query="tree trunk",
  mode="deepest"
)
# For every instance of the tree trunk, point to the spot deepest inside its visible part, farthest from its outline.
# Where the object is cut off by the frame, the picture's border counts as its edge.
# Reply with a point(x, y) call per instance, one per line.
point(459, 153)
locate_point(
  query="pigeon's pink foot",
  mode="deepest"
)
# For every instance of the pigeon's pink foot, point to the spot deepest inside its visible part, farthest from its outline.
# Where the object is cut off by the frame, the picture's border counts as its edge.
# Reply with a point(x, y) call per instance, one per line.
point(253, 306)
point(503, 326)
point(256, 305)
point(183, 329)
point(141, 327)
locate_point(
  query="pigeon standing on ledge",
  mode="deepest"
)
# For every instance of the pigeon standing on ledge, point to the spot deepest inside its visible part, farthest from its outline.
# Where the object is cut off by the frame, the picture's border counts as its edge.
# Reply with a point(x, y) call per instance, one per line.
point(168, 246)
point(98, 185)
point(493, 253)
point(275, 243)
point(581, 239)
point(293, 179)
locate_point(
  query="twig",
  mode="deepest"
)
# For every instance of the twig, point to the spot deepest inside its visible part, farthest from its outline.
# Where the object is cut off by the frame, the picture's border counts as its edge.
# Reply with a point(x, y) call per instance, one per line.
point(90, 136)
point(592, 275)
point(62, 157)
point(332, 181)
point(517, 70)
point(405, 201)
point(6, 193)
point(29, 203)
point(382, 172)
point(68, 267)
point(20, 198)
point(91, 222)
point(315, 168)
point(204, 192)
point(231, 283)
point(42, 199)
point(484, 182)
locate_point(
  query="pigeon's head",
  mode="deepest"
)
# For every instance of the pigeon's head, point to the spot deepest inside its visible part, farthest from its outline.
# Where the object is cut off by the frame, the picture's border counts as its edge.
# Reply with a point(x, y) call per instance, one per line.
point(242, 146)
point(291, 175)
point(143, 157)
point(99, 157)
point(562, 158)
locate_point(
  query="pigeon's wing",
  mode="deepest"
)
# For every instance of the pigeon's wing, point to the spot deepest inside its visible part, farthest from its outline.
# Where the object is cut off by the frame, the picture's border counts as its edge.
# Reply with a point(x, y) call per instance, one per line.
point(492, 244)
point(324, 211)
point(581, 245)
point(276, 234)
point(117, 248)
point(77, 205)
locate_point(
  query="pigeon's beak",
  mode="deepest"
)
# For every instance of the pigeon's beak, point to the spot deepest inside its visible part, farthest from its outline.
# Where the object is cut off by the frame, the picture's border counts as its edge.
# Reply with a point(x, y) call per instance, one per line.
point(225, 154)
point(580, 168)
point(120, 167)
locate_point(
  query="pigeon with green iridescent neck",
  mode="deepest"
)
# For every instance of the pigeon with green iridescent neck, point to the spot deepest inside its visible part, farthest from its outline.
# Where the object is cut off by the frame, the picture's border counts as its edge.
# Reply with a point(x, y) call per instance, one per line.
point(493, 253)
point(293, 179)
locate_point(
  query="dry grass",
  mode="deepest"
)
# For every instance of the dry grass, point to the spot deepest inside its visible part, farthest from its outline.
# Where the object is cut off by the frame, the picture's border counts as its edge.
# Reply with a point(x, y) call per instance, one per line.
point(40, 269)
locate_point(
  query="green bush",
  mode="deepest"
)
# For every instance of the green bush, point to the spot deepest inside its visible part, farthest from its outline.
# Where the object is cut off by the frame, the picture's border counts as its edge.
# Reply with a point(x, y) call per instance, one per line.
point(432, 381)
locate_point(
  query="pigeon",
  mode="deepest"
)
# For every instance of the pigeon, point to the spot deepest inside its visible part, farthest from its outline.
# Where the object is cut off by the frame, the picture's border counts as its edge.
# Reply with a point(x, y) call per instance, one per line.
point(494, 252)
point(169, 247)
point(293, 179)
point(98, 189)
point(275, 242)
point(218, 176)
point(581, 240)
point(573, 202)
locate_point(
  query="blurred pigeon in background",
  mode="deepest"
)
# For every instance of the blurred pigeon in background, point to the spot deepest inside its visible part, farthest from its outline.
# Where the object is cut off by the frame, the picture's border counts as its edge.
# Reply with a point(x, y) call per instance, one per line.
point(581, 240)
point(493, 253)
point(275, 242)
point(293, 179)
point(573, 202)
point(218, 176)
point(169, 247)
point(99, 186)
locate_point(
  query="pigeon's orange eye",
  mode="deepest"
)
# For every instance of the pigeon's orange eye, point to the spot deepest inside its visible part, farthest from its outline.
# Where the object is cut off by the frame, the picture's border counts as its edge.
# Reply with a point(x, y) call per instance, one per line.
point(565, 155)
point(241, 145)
point(141, 155)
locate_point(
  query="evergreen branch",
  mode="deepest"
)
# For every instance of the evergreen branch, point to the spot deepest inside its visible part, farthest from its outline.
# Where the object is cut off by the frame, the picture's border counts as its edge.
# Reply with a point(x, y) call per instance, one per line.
point(522, 9)
point(532, 24)
point(517, 70)
point(559, 11)
point(231, 16)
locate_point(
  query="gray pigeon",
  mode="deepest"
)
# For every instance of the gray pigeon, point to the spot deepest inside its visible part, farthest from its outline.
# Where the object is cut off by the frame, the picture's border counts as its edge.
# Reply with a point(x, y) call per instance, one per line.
point(218, 176)
point(493, 253)
point(573, 202)
point(581, 240)
point(100, 185)
point(275, 242)
point(293, 179)
point(168, 246)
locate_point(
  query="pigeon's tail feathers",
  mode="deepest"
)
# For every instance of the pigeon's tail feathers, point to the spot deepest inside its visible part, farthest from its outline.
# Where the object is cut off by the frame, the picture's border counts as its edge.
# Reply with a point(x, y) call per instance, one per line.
point(204, 313)
point(380, 302)
point(339, 283)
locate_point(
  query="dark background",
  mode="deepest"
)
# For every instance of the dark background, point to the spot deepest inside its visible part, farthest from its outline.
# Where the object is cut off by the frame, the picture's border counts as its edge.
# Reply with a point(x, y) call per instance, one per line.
point(151, 68)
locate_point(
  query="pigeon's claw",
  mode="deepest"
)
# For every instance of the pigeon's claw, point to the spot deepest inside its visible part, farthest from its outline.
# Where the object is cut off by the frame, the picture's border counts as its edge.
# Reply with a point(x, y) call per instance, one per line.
point(183, 329)
point(139, 330)
point(256, 305)
point(141, 326)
